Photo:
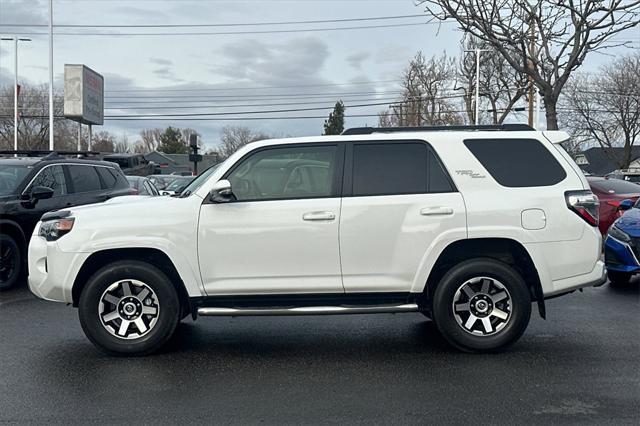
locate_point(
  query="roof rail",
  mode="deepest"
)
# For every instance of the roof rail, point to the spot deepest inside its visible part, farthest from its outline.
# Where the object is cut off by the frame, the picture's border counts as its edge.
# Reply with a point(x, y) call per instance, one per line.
point(49, 154)
point(517, 127)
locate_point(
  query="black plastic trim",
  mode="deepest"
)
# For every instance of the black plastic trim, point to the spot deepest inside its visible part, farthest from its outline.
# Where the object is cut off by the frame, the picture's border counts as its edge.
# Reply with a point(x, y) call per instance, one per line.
point(517, 127)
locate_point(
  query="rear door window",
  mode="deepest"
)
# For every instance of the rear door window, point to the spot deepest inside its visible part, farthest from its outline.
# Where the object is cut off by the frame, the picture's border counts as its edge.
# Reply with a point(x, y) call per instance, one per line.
point(84, 178)
point(517, 163)
point(389, 168)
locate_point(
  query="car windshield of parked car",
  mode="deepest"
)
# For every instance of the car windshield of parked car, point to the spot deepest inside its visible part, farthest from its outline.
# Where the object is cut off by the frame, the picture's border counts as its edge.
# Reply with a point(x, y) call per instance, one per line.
point(10, 178)
point(198, 181)
point(178, 184)
point(616, 186)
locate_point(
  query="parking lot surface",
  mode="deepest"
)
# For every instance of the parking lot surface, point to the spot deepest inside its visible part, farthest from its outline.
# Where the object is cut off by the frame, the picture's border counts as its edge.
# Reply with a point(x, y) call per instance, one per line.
point(582, 365)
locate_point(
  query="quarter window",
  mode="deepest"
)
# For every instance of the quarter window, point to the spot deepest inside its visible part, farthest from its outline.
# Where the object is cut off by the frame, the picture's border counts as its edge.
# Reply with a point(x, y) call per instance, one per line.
point(84, 178)
point(108, 177)
point(51, 177)
point(286, 172)
point(517, 162)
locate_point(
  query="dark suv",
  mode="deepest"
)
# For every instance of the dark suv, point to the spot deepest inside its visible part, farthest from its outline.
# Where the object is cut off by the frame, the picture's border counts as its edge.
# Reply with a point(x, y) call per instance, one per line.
point(32, 186)
point(133, 164)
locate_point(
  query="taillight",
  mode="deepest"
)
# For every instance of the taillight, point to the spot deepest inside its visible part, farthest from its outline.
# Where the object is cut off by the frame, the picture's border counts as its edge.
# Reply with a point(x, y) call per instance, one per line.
point(585, 204)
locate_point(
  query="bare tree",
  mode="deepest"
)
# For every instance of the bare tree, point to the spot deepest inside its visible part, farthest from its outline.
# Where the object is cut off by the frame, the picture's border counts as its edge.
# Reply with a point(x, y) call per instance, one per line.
point(33, 123)
point(150, 139)
point(122, 145)
point(545, 39)
point(103, 141)
point(501, 84)
point(605, 107)
point(425, 99)
point(234, 138)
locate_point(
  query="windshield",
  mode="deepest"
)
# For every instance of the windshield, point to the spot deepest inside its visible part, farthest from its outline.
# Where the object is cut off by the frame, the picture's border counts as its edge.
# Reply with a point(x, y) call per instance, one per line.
point(10, 178)
point(178, 184)
point(197, 182)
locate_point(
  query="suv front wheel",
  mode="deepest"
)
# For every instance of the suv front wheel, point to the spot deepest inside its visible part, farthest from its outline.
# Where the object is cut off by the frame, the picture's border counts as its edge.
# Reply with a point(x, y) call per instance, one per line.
point(481, 305)
point(129, 308)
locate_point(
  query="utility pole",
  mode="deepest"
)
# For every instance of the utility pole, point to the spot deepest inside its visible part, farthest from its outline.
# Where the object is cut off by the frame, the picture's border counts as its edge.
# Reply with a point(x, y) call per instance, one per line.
point(15, 89)
point(532, 26)
point(51, 75)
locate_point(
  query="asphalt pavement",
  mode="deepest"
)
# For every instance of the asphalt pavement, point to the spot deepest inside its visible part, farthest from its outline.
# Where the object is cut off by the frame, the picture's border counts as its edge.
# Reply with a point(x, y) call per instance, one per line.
point(581, 365)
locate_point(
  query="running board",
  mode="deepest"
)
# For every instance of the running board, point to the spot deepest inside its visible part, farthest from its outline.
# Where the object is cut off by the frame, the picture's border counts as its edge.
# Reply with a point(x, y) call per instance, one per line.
point(307, 310)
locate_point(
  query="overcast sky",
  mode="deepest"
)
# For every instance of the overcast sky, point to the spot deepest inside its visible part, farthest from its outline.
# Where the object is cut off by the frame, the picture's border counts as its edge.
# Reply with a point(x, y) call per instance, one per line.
point(313, 61)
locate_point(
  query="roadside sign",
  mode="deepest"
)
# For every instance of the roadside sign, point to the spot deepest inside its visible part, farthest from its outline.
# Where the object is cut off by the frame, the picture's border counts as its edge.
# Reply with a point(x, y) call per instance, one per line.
point(195, 157)
point(83, 94)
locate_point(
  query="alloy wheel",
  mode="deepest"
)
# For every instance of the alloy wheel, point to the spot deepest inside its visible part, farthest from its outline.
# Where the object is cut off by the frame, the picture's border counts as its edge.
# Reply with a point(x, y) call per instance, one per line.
point(128, 309)
point(482, 306)
point(8, 263)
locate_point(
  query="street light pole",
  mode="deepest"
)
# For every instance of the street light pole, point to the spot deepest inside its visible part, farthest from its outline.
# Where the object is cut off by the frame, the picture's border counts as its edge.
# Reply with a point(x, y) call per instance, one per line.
point(51, 75)
point(15, 89)
point(477, 51)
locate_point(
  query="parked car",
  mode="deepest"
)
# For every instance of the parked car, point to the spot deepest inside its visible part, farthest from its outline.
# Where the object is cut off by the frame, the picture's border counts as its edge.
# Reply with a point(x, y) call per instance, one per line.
point(132, 164)
point(142, 186)
point(467, 226)
point(630, 175)
point(161, 181)
point(177, 185)
point(622, 245)
point(611, 192)
point(32, 186)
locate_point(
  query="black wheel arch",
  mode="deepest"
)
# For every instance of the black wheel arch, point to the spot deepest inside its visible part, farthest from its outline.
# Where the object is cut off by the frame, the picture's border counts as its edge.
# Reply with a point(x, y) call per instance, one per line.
point(154, 257)
point(505, 250)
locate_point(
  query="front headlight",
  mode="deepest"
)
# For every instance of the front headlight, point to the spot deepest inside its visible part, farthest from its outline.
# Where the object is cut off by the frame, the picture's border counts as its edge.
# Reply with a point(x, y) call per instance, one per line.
point(619, 234)
point(51, 230)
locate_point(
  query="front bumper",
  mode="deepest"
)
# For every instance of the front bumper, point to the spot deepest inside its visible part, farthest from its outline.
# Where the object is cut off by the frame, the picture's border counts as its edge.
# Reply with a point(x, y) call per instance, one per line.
point(620, 256)
point(52, 271)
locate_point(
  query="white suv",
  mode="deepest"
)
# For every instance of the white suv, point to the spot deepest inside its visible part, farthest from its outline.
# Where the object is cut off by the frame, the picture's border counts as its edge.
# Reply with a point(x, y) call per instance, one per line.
point(466, 226)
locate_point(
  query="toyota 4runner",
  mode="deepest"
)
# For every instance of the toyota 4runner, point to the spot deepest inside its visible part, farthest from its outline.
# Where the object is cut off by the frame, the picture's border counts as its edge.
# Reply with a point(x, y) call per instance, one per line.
point(467, 226)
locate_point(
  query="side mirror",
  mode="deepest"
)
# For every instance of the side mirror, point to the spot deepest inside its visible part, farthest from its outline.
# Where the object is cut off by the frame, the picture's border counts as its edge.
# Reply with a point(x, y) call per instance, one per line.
point(38, 193)
point(221, 192)
point(626, 205)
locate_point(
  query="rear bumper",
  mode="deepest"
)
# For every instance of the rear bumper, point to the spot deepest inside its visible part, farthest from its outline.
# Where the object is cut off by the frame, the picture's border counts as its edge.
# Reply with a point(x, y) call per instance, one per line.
point(595, 278)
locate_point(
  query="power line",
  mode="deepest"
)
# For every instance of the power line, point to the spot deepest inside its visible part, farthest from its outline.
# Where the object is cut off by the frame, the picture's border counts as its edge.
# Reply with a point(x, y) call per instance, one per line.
point(241, 24)
point(297, 30)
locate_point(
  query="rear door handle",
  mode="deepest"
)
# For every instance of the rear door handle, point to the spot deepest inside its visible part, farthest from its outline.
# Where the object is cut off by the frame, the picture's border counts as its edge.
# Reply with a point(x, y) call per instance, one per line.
point(436, 211)
point(317, 216)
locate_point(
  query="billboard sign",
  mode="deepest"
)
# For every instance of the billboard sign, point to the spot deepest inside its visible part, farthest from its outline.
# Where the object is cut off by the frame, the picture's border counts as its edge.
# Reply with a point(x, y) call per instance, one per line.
point(83, 94)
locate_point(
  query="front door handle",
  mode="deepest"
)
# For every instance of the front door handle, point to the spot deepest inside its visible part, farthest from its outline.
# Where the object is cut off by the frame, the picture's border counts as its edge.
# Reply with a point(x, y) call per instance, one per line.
point(436, 211)
point(317, 216)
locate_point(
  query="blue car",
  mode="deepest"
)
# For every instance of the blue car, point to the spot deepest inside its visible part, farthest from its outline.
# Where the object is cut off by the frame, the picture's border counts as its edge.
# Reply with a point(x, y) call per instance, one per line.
point(622, 245)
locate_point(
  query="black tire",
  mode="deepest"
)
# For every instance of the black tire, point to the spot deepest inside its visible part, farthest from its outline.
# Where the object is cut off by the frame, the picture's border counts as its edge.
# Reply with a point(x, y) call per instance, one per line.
point(506, 331)
point(165, 298)
point(618, 279)
point(12, 265)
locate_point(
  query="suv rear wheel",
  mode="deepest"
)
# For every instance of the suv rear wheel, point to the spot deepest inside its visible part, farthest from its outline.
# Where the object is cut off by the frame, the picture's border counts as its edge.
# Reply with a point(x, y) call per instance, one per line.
point(11, 263)
point(481, 305)
point(129, 308)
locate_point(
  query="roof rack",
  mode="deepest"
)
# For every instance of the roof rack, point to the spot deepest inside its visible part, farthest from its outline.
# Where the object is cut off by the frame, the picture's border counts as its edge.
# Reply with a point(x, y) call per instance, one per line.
point(518, 127)
point(49, 154)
